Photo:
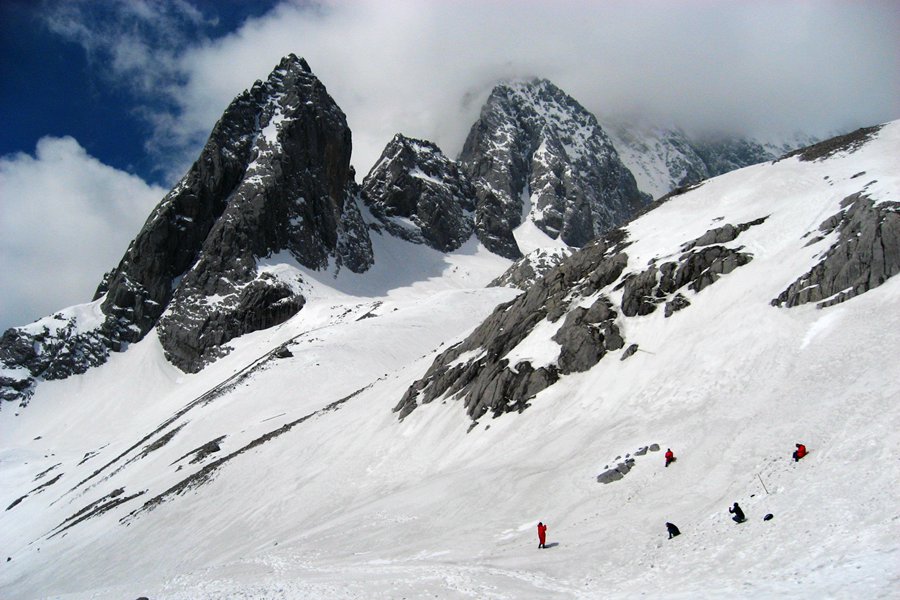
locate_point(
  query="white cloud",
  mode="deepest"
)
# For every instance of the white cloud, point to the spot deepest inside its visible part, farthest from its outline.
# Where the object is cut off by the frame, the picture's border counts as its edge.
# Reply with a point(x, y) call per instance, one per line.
point(423, 68)
point(67, 219)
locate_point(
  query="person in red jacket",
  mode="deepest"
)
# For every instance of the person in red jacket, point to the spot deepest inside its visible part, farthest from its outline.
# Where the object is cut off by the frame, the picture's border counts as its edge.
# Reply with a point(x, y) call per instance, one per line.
point(670, 457)
point(542, 535)
point(800, 452)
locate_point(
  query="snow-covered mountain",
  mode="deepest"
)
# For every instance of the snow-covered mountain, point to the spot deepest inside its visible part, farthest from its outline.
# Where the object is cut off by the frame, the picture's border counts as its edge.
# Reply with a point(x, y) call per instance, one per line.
point(537, 156)
point(273, 186)
point(274, 177)
point(394, 404)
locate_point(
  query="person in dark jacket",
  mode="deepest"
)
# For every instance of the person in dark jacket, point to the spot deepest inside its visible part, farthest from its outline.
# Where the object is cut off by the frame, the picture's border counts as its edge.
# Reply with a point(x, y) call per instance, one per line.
point(673, 531)
point(542, 535)
point(800, 452)
point(738, 513)
point(670, 457)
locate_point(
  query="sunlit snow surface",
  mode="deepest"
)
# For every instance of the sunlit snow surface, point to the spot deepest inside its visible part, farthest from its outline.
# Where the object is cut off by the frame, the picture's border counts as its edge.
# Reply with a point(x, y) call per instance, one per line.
point(352, 503)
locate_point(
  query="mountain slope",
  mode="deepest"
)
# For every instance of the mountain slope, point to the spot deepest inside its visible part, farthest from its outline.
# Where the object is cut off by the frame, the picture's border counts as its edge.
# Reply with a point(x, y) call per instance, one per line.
point(278, 471)
point(665, 158)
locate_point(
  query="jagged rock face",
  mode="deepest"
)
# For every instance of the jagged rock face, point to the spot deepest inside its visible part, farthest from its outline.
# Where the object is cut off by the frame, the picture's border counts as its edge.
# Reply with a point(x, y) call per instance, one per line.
point(274, 177)
point(660, 159)
point(420, 195)
point(865, 255)
point(727, 154)
point(297, 195)
point(477, 370)
point(535, 150)
point(848, 142)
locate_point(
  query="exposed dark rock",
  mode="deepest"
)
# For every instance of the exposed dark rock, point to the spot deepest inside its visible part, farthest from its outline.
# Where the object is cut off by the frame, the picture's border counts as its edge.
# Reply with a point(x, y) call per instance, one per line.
point(420, 195)
point(849, 142)
point(160, 441)
point(865, 255)
point(283, 352)
point(629, 351)
point(586, 335)
point(534, 143)
point(51, 348)
point(274, 177)
point(695, 270)
point(476, 370)
point(16, 502)
point(195, 334)
point(677, 303)
point(210, 447)
point(617, 472)
point(638, 298)
point(723, 234)
point(44, 472)
point(95, 509)
point(722, 155)
point(654, 447)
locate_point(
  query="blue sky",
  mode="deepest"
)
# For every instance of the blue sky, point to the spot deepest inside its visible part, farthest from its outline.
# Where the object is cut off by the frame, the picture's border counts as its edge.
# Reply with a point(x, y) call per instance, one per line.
point(58, 84)
point(107, 102)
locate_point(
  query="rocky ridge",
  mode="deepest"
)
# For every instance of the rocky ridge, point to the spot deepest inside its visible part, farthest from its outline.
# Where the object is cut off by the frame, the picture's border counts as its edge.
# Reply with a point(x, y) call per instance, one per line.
point(665, 158)
point(583, 305)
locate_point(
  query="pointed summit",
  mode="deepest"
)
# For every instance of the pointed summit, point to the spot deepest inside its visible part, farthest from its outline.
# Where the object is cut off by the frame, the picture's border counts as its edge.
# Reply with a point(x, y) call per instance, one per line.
point(420, 195)
point(273, 178)
point(536, 154)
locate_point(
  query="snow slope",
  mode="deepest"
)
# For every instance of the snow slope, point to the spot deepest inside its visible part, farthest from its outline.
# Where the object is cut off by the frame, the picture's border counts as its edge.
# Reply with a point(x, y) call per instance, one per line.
point(352, 503)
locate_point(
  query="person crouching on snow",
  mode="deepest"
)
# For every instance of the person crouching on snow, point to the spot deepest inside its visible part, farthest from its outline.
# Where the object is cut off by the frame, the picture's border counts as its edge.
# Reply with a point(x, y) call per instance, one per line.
point(673, 531)
point(670, 457)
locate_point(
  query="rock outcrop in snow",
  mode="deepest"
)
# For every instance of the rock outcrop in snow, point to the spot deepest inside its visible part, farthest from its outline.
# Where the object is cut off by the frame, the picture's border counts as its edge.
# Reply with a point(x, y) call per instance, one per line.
point(578, 300)
point(535, 153)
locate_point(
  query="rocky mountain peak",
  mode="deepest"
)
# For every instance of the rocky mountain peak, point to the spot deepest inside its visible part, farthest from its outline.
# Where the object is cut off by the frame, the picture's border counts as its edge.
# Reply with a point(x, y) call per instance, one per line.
point(274, 178)
point(420, 195)
point(535, 153)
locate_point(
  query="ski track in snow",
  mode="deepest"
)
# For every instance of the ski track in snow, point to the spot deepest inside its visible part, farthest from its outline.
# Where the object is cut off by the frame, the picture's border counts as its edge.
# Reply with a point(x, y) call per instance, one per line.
point(356, 504)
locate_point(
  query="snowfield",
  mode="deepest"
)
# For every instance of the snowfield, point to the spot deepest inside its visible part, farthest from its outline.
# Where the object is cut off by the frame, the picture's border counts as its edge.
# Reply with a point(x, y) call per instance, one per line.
point(343, 500)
